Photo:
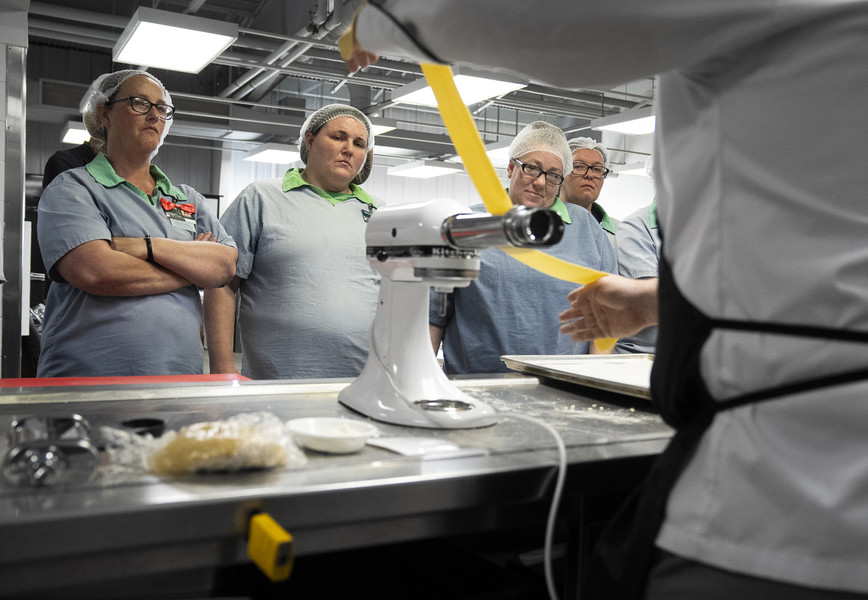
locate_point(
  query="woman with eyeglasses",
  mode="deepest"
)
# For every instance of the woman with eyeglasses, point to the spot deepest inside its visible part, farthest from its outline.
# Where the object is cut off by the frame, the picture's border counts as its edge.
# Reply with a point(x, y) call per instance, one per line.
point(126, 249)
point(511, 308)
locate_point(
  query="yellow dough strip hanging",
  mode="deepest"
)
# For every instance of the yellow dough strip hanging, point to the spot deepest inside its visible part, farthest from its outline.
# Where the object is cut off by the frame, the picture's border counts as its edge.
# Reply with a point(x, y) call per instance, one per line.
point(465, 138)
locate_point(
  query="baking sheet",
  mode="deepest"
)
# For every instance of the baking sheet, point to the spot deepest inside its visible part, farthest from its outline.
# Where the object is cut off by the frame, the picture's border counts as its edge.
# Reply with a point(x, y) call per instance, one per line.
point(628, 374)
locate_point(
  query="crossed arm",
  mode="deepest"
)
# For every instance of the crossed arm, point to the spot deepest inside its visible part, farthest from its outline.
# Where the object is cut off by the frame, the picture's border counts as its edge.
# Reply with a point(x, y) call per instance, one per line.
point(120, 268)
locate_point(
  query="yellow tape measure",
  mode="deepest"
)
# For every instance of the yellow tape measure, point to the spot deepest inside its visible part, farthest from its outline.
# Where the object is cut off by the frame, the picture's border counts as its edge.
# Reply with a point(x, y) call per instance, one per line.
point(466, 140)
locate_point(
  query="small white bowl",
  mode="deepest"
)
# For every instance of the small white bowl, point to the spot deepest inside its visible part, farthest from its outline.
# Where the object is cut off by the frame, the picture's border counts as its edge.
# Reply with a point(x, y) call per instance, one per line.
point(331, 434)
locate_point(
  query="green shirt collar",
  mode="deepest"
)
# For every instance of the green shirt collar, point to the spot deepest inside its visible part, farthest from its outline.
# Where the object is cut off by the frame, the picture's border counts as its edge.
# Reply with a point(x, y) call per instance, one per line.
point(652, 213)
point(292, 179)
point(606, 222)
point(103, 173)
point(561, 208)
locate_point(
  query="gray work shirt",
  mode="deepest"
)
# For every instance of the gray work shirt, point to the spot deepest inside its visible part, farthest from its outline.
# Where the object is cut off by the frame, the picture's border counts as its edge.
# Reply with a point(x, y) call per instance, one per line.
point(308, 295)
point(512, 308)
point(87, 335)
point(638, 255)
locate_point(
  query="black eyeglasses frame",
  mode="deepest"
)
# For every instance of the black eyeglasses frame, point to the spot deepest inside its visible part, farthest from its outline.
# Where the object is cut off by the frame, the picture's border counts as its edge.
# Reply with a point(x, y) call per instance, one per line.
point(559, 179)
point(170, 110)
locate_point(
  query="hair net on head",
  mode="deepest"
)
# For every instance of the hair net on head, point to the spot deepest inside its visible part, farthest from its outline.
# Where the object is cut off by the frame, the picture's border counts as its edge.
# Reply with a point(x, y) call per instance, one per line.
point(104, 89)
point(542, 137)
point(586, 143)
point(325, 114)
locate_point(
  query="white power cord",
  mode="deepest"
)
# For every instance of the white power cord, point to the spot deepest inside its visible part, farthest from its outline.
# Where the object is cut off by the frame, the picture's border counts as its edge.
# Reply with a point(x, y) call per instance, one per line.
point(556, 498)
point(559, 482)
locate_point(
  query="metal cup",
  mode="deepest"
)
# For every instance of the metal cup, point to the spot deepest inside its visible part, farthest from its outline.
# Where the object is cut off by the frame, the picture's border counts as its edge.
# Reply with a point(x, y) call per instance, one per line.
point(50, 450)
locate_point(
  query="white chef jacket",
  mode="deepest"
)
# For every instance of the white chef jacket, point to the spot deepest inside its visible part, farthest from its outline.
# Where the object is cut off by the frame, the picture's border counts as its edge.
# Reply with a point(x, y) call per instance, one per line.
point(762, 116)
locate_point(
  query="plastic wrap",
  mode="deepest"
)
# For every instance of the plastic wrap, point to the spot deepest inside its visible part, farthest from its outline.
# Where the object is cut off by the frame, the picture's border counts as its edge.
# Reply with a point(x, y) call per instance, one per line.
point(244, 441)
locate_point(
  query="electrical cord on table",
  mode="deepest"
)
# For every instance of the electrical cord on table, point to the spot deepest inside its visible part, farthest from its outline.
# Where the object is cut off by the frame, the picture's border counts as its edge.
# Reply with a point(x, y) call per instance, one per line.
point(559, 481)
point(556, 498)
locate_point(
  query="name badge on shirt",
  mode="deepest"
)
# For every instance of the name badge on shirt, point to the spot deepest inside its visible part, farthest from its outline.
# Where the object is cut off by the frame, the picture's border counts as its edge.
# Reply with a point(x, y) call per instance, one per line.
point(180, 215)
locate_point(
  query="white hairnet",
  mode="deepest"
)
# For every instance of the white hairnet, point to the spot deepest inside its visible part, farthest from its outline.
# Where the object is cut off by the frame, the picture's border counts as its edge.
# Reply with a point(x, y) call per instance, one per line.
point(103, 89)
point(586, 143)
point(325, 114)
point(540, 136)
point(649, 166)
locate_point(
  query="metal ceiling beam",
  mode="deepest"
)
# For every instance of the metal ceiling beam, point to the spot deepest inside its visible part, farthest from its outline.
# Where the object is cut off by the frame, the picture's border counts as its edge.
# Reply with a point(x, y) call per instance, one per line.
point(76, 14)
point(318, 60)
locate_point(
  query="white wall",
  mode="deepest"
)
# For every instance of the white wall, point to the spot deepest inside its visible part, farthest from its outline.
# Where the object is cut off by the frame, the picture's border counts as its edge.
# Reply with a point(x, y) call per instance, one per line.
point(404, 190)
point(625, 194)
point(237, 173)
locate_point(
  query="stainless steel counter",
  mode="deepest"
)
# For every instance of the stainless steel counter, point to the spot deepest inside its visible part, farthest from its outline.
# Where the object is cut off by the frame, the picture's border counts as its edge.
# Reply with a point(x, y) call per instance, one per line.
point(124, 524)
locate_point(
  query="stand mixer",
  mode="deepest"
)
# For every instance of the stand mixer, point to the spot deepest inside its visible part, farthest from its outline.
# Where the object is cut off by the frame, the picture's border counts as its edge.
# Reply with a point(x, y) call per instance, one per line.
point(415, 247)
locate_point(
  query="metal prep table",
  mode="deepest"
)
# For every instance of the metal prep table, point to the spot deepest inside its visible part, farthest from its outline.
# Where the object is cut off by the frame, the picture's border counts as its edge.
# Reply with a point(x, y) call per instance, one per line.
point(119, 527)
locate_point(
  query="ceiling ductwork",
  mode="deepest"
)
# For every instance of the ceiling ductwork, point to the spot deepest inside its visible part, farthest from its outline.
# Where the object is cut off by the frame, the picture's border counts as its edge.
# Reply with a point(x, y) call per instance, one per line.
point(264, 85)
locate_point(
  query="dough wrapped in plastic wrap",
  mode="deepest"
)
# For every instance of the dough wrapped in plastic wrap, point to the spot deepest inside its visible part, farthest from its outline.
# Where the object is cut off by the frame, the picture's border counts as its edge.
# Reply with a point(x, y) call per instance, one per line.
point(243, 441)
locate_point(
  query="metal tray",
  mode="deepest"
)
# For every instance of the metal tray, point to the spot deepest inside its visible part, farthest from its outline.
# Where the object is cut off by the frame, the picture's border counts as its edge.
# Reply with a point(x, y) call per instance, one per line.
point(628, 374)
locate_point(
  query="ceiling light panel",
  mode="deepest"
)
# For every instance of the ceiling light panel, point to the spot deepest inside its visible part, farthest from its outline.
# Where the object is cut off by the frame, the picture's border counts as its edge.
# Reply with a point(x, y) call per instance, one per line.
point(280, 154)
point(629, 122)
point(636, 168)
point(174, 41)
point(473, 87)
point(74, 133)
point(381, 125)
point(425, 169)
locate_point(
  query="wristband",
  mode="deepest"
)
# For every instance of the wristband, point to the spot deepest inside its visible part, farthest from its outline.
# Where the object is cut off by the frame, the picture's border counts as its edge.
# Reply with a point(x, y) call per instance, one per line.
point(150, 248)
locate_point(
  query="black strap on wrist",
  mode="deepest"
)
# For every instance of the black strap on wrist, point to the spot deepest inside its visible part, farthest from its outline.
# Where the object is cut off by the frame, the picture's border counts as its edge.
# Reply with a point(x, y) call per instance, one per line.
point(150, 248)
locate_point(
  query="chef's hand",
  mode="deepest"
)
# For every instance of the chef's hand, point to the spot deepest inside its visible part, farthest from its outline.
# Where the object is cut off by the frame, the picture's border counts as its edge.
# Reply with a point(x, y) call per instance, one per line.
point(611, 307)
point(355, 57)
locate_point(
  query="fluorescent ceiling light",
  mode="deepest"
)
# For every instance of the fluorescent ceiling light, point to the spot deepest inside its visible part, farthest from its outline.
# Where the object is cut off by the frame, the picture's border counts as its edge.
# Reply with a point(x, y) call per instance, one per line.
point(472, 86)
point(385, 150)
point(636, 168)
point(497, 152)
point(381, 125)
point(74, 133)
point(424, 169)
point(280, 154)
point(174, 41)
point(630, 122)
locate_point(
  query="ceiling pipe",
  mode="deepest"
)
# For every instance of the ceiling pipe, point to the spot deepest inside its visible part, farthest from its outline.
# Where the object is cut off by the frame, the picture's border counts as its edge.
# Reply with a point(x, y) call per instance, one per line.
point(327, 17)
point(254, 78)
point(194, 7)
point(263, 76)
point(51, 29)
point(312, 72)
point(231, 102)
point(558, 110)
point(72, 35)
point(287, 38)
point(232, 90)
point(75, 14)
point(103, 38)
point(590, 98)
